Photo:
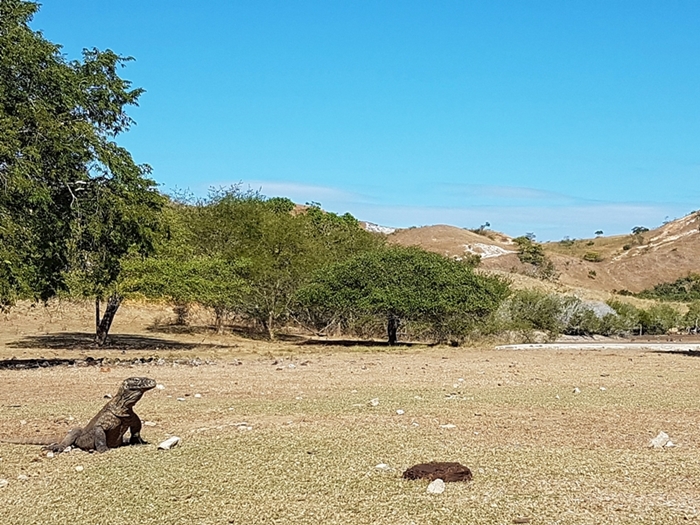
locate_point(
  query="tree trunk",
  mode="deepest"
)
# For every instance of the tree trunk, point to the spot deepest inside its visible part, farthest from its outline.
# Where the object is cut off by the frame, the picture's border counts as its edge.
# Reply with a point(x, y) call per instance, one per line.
point(97, 315)
point(270, 331)
point(392, 327)
point(103, 328)
point(182, 313)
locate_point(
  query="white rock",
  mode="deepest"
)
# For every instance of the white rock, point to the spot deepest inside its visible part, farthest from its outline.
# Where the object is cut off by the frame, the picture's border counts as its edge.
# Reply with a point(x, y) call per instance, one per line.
point(3, 483)
point(415, 424)
point(23, 477)
point(149, 423)
point(169, 443)
point(557, 396)
point(160, 387)
point(670, 444)
point(577, 390)
point(461, 380)
point(659, 441)
point(198, 396)
point(67, 449)
point(449, 425)
point(22, 422)
point(291, 365)
point(49, 454)
point(79, 468)
point(603, 389)
point(374, 402)
point(181, 399)
point(400, 412)
point(436, 487)
point(382, 466)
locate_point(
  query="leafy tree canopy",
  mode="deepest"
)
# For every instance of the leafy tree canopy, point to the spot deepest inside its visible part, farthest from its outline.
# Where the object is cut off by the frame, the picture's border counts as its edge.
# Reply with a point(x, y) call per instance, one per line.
point(71, 199)
point(400, 283)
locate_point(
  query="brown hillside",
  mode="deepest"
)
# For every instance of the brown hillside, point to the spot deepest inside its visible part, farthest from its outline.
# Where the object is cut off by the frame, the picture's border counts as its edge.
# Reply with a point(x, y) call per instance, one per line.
point(624, 262)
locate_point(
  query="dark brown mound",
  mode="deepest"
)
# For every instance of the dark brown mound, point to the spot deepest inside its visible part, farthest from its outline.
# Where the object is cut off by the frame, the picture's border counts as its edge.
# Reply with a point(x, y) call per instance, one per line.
point(434, 470)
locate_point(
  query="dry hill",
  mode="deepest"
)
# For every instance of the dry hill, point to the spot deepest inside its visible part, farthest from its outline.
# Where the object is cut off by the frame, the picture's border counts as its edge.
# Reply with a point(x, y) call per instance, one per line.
point(625, 262)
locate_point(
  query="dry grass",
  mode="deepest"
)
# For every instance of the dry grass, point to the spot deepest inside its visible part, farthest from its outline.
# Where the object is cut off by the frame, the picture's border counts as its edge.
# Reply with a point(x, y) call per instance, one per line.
point(537, 450)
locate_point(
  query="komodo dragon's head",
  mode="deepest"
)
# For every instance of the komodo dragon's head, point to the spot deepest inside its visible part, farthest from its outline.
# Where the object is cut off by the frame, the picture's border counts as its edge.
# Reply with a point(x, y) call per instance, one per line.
point(132, 389)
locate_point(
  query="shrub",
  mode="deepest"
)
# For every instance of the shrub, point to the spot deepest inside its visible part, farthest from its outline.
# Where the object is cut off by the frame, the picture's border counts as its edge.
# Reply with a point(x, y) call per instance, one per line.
point(659, 319)
point(592, 257)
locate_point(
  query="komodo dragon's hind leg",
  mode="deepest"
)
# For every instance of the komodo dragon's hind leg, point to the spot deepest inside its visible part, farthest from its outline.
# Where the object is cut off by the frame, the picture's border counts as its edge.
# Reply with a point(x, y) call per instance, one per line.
point(68, 441)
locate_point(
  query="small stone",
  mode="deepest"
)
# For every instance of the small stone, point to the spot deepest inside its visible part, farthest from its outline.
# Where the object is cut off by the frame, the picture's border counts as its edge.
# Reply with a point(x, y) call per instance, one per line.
point(169, 443)
point(603, 389)
point(67, 449)
point(400, 412)
point(23, 422)
point(79, 468)
point(149, 423)
point(660, 440)
point(49, 454)
point(160, 387)
point(382, 466)
point(180, 398)
point(198, 396)
point(448, 425)
point(23, 477)
point(436, 487)
point(557, 396)
point(669, 444)
point(577, 390)
point(374, 402)
point(107, 396)
point(291, 365)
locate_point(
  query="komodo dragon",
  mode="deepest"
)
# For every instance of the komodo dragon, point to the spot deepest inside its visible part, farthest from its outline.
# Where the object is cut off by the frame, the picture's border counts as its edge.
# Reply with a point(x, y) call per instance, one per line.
point(106, 430)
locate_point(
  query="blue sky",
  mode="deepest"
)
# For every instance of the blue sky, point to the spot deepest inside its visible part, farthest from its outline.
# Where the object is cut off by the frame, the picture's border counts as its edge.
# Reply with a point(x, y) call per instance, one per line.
point(553, 117)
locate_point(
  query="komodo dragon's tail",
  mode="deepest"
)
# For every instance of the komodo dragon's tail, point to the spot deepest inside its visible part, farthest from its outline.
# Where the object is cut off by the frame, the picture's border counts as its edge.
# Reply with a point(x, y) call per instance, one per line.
point(31, 441)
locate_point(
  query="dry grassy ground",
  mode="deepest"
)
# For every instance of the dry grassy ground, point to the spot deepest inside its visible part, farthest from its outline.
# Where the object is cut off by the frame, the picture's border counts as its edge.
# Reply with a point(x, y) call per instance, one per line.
point(537, 449)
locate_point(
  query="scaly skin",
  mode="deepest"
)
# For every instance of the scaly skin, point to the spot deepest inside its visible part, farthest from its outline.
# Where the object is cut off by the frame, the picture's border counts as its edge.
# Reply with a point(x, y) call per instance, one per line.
point(106, 430)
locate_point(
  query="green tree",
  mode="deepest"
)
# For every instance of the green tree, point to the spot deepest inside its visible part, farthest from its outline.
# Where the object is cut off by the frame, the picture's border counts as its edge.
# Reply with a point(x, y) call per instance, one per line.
point(281, 245)
point(403, 284)
point(72, 201)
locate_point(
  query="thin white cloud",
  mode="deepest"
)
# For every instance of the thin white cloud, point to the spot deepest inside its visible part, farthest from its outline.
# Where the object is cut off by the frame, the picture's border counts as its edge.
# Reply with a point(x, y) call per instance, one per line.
point(302, 193)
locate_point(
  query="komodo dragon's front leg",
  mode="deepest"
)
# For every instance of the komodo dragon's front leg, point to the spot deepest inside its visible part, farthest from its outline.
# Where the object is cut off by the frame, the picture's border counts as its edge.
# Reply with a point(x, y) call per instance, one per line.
point(135, 430)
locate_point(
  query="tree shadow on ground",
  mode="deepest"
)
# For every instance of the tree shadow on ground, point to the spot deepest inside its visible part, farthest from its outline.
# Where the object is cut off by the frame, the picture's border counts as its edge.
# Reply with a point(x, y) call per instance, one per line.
point(246, 332)
point(357, 342)
point(84, 340)
point(689, 353)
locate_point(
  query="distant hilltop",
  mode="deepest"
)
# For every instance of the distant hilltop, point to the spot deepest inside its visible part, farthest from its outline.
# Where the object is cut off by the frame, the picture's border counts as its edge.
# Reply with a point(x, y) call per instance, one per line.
point(633, 262)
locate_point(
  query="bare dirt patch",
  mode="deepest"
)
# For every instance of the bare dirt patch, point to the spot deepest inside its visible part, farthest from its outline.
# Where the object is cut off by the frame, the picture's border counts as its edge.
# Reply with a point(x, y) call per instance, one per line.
point(283, 433)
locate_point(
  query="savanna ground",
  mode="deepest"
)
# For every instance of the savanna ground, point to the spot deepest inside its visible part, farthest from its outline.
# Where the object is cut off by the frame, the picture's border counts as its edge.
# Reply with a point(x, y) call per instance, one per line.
point(286, 433)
